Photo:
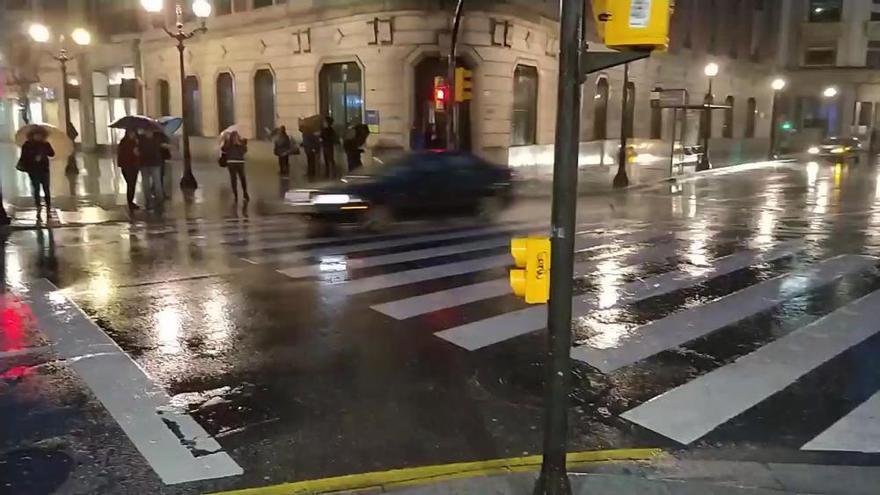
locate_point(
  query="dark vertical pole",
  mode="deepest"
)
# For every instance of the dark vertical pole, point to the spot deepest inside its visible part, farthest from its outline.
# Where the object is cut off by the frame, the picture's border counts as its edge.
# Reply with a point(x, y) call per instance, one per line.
point(621, 179)
point(554, 478)
point(773, 125)
point(188, 181)
point(71, 168)
point(672, 148)
point(450, 78)
point(705, 164)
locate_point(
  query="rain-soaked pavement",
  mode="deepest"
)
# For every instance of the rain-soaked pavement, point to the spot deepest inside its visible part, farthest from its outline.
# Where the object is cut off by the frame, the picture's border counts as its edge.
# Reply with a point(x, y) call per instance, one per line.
point(225, 351)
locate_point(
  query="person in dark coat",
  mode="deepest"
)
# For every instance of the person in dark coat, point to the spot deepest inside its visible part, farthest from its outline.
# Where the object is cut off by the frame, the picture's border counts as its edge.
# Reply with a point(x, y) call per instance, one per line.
point(128, 162)
point(329, 140)
point(284, 147)
point(151, 151)
point(234, 149)
point(312, 146)
point(35, 154)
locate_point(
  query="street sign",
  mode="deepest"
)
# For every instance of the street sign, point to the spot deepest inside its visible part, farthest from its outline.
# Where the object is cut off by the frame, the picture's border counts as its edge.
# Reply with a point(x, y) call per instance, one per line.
point(371, 118)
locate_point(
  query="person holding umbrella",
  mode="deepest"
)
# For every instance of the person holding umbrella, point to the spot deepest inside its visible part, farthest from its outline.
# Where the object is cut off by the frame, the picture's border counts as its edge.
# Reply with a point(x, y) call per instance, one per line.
point(232, 151)
point(150, 149)
point(128, 161)
point(35, 154)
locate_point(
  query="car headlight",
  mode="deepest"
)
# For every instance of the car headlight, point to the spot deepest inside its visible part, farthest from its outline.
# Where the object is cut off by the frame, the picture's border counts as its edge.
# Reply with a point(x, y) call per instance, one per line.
point(813, 150)
point(838, 150)
point(331, 199)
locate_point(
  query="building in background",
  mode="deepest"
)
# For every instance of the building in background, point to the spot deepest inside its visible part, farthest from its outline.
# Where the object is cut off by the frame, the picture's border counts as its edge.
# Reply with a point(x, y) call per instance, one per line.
point(264, 63)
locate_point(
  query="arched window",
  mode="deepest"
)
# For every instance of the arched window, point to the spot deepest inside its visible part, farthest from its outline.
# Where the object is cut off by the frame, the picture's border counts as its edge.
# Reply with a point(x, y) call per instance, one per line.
point(629, 112)
point(600, 110)
point(706, 118)
point(225, 101)
point(163, 97)
point(192, 106)
point(751, 114)
point(727, 130)
point(264, 103)
point(340, 93)
point(525, 106)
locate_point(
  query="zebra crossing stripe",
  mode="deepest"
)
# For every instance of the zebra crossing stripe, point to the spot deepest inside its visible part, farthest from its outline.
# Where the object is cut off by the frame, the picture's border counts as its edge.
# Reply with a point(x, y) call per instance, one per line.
point(350, 248)
point(388, 259)
point(506, 326)
point(858, 431)
point(722, 394)
point(435, 301)
point(695, 322)
point(406, 277)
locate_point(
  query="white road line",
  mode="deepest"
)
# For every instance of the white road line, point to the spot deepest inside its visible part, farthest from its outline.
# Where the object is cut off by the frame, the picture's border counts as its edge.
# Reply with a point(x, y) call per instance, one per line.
point(343, 265)
point(858, 431)
point(499, 328)
point(690, 411)
point(387, 243)
point(435, 301)
point(396, 279)
point(140, 406)
point(685, 326)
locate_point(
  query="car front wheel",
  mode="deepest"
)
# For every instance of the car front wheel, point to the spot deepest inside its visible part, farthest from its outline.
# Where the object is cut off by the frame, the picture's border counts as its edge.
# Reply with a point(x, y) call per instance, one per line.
point(378, 218)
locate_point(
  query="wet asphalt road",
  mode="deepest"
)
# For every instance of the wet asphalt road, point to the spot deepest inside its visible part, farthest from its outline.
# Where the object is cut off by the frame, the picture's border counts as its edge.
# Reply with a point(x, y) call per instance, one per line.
point(741, 301)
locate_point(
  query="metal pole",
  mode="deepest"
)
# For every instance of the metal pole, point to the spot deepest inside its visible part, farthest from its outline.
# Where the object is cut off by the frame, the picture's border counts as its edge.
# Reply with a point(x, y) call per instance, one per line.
point(773, 124)
point(450, 77)
point(705, 164)
point(71, 168)
point(672, 148)
point(621, 180)
point(188, 181)
point(554, 478)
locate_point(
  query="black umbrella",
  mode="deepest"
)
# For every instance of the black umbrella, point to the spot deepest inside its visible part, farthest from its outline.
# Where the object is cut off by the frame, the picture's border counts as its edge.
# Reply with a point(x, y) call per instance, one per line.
point(135, 122)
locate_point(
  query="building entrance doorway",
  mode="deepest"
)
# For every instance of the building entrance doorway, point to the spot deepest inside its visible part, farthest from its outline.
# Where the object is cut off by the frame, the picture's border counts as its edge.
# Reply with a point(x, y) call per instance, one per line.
point(428, 130)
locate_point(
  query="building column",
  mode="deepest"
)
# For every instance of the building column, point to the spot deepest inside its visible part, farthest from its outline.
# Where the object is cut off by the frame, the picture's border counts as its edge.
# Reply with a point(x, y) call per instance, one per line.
point(87, 104)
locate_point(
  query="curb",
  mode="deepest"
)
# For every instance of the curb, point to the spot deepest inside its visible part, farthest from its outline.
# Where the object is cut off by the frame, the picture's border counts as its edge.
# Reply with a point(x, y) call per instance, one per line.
point(422, 475)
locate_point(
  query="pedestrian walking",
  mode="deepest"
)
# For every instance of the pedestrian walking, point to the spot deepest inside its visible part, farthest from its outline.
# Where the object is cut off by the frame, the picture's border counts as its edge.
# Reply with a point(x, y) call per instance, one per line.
point(311, 143)
point(284, 147)
point(150, 153)
point(129, 163)
point(232, 154)
point(35, 154)
point(329, 140)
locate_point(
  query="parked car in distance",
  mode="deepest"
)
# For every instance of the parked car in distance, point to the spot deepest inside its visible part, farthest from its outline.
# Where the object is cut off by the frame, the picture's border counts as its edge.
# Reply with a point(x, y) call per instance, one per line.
point(837, 148)
point(422, 184)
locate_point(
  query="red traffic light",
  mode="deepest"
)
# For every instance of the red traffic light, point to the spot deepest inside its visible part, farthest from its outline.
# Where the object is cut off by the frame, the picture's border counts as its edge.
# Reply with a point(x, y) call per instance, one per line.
point(440, 94)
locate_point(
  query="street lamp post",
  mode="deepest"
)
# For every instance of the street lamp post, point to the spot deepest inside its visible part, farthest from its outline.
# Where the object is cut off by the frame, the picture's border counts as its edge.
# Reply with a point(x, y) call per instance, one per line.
point(829, 93)
point(778, 85)
point(81, 37)
point(621, 179)
point(711, 70)
point(202, 10)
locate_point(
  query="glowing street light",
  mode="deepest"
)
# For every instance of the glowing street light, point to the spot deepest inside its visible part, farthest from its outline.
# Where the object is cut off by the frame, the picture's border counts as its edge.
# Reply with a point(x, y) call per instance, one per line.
point(201, 8)
point(711, 69)
point(152, 6)
point(778, 84)
point(39, 32)
point(830, 92)
point(81, 36)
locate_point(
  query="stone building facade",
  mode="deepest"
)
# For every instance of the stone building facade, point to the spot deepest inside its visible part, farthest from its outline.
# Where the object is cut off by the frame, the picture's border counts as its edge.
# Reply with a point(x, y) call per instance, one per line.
point(264, 63)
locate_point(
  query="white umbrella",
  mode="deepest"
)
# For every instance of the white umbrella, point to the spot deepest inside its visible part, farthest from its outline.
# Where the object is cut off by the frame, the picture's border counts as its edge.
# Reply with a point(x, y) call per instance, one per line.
point(62, 144)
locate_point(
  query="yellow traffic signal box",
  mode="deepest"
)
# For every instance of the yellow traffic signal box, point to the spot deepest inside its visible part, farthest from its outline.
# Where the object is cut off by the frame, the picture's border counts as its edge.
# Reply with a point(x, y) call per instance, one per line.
point(633, 24)
point(464, 84)
point(531, 279)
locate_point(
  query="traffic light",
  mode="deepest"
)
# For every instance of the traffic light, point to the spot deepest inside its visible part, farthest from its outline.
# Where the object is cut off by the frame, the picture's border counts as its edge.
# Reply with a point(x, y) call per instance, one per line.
point(531, 279)
point(464, 84)
point(641, 25)
point(441, 94)
point(786, 125)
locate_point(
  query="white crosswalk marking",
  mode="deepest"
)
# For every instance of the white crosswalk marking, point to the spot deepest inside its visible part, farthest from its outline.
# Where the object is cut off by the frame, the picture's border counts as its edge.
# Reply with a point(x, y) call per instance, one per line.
point(397, 279)
point(388, 259)
point(490, 331)
point(690, 411)
point(419, 305)
point(858, 431)
point(692, 323)
point(283, 258)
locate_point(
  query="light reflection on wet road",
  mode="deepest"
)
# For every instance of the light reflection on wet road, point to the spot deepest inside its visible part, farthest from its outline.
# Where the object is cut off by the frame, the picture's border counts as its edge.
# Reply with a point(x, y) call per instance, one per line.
point(277, 357)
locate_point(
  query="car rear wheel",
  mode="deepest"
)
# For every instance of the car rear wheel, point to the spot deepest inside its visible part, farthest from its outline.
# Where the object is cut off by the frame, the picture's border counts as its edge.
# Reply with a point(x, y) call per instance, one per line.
point(489, 208)
point(378, 218)
point(317, 227)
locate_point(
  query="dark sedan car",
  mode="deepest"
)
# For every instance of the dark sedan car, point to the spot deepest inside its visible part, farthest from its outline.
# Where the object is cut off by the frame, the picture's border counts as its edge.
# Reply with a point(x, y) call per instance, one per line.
point(416, 185)
point(837, 149)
